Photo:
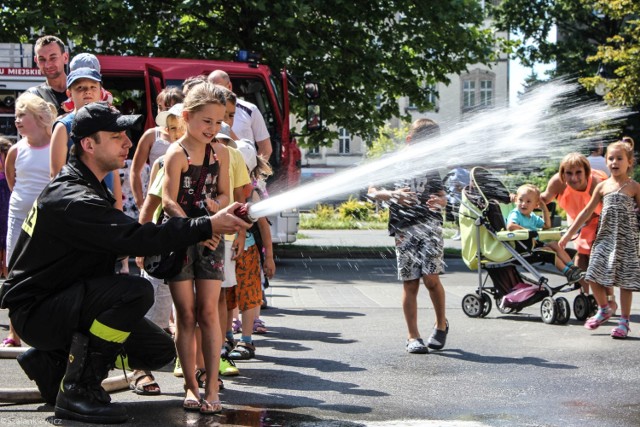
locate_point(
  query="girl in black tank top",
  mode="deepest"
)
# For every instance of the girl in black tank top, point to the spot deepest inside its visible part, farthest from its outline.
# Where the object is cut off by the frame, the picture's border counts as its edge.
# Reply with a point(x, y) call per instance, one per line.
point(196, 183)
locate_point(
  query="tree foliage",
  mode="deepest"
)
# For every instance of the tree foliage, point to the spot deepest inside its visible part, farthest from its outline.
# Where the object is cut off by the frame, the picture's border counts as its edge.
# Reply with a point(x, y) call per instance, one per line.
point(364, 54)
point(620, 54)
point(580, 25)
point(593, 36)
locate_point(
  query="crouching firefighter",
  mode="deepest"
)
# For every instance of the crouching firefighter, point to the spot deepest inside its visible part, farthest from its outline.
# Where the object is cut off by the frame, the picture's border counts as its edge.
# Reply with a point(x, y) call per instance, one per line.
point(62, 294)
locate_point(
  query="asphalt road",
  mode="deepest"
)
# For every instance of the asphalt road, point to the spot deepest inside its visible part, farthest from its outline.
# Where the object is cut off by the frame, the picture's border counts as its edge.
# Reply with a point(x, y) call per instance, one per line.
point(334, 356)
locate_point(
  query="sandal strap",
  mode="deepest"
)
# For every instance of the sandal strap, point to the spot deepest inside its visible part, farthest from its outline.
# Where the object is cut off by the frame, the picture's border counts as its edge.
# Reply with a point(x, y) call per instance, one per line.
point(142, 374)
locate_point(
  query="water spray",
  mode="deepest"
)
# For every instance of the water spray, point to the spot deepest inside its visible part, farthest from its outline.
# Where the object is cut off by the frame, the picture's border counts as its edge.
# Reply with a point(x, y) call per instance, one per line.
point(550, 122)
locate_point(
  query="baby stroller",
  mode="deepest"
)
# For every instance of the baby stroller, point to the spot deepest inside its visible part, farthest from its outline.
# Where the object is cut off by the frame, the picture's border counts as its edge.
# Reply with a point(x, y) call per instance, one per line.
point(486, 246)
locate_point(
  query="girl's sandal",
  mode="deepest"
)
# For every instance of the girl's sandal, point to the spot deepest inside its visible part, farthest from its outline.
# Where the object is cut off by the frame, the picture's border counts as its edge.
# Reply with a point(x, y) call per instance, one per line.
point(597, 320)
point(621, 331)
point(202, 382)
point(236, 326)
point(259, 326)
point(211, 407)
point(243, 351)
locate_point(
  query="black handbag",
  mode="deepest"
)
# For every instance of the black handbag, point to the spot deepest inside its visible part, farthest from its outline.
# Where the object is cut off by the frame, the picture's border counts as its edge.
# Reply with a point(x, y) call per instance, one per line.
point(169, 264)
point(165, 266)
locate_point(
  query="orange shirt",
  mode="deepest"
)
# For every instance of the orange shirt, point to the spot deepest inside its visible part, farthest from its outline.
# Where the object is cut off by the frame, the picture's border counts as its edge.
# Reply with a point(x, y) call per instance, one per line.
point(573, 201)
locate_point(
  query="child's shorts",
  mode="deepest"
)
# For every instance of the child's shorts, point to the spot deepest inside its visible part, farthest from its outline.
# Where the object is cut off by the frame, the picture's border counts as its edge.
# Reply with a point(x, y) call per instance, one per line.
point(248, 291)
point(201, 262)
point(420, 250)
point(229, 266)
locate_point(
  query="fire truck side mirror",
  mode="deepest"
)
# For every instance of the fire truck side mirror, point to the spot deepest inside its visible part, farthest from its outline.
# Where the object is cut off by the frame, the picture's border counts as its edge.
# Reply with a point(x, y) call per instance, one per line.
point(314, 118)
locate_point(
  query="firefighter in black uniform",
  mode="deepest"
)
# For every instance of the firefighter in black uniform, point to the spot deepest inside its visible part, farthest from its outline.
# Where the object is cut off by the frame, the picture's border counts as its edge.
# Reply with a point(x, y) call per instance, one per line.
point(62, 294)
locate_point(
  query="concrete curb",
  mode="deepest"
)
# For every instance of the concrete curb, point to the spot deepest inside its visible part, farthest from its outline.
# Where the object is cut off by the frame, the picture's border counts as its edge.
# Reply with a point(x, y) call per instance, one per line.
point(347, 252)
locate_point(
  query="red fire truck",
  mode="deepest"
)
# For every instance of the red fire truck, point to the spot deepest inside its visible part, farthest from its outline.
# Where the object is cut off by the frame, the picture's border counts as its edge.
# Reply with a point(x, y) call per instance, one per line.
point(135, 83)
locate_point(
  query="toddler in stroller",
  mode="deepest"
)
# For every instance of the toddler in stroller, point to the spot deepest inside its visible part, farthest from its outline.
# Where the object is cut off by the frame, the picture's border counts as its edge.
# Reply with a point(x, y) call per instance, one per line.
point(507, 257)
point(522, 217)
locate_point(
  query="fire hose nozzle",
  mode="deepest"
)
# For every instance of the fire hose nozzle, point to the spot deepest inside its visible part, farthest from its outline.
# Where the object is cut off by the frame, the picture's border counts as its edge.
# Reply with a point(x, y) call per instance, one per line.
point(243, 212)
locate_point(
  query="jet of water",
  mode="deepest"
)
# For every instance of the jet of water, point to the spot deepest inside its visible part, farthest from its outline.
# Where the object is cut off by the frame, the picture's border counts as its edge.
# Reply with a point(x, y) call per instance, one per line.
point(549, 123)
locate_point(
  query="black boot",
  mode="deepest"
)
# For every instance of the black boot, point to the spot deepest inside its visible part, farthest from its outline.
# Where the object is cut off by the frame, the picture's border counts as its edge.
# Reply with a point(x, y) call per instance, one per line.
point(46, 368)
point(81, 397)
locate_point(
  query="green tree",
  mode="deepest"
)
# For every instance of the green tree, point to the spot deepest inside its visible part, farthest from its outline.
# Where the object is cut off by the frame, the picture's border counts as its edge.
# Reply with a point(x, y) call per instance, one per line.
point(591, 34)
point(364, 54)
point(620, 54)
point(580, 25)
point(387, 140)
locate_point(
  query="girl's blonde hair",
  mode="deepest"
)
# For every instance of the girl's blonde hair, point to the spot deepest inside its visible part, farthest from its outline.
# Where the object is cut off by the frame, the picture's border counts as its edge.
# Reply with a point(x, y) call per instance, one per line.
point(627, 147)
point(203, 94)
point(44, 112)
point(629, 141)
point(263, 169)
point(572, 160)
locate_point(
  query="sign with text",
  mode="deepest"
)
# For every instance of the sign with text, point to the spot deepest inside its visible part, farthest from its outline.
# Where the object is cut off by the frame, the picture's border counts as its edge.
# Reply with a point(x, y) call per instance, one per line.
point(31, 72)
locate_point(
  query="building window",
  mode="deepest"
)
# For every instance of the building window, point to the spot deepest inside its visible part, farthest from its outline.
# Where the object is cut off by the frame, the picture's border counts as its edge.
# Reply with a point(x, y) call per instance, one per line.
point(344, 141)
point(486, 93)
point(314, 150)
point(477, 90)
point(468, 94)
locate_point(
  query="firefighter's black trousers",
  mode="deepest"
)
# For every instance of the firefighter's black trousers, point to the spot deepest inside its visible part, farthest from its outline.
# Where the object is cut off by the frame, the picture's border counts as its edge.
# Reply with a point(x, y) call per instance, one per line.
point(119, 302)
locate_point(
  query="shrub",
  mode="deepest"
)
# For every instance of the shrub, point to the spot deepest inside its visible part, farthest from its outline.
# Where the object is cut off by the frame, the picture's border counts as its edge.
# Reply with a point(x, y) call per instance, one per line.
point(324, 212)
point(382, 215)
point(355, 209)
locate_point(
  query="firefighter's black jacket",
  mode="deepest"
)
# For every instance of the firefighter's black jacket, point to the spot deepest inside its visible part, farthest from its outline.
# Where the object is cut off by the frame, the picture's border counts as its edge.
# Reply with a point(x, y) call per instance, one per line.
point(73, 233)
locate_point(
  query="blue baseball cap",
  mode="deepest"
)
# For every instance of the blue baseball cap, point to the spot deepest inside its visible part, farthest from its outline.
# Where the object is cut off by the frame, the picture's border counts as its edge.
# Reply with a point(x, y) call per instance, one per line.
point(84, 59)
point(83, 73)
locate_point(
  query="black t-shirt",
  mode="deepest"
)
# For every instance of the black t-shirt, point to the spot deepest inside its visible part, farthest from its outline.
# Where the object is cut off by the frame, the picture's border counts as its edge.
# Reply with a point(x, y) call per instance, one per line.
point(404, 216)
point(45, 92)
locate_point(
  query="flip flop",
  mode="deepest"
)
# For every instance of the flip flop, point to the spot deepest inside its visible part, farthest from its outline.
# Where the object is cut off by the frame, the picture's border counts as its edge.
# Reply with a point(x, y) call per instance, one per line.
point(191, 403)
point(211, 407)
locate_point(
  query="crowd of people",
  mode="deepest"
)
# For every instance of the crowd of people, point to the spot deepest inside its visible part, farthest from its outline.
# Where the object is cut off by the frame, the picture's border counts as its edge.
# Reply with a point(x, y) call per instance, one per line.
point(78, 197)
point(80, 190)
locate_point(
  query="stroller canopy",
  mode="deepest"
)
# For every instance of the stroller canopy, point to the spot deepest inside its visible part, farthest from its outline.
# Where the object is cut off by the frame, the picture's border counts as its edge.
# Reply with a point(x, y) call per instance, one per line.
point(486, 198)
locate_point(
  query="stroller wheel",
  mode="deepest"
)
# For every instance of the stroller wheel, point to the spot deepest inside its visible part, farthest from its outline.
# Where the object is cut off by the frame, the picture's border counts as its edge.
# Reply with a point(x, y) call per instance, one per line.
point(548, 310)
point(564, 311)
point(581, 307)
point(486, 307)
point(504, 310)
point(472, 305)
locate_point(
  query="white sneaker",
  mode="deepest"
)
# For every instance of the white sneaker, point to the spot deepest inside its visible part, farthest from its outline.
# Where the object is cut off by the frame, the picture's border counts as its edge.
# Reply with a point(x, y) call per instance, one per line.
point(456, 236)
